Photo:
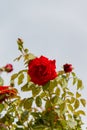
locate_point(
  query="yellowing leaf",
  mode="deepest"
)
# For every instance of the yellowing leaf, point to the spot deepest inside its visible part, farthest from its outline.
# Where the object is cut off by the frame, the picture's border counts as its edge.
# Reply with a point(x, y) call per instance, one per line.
point(76, 104)
point(83, 102)
point(79, 112)
point(70, 107)
point(78, 95)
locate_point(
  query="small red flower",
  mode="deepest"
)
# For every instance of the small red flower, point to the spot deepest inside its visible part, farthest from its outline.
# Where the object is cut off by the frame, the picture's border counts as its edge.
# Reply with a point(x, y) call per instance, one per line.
point(41, 70)
point(8, 68)
point(68, 68)
point(6, 92)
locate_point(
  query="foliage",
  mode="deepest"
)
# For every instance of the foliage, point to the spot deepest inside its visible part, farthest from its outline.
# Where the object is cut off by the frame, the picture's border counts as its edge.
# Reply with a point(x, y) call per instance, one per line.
point(56, 105)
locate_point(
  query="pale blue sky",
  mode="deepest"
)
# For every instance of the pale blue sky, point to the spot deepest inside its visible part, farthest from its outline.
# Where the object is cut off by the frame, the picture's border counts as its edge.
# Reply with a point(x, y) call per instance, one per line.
point(54, 28)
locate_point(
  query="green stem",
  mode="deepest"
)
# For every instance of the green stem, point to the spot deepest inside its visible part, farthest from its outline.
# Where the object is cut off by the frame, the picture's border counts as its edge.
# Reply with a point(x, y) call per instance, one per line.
point(51, 126)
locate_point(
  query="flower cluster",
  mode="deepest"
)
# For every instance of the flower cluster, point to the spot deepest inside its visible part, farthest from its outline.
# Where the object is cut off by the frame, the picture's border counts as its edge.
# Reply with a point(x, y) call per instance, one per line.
point(49, 103)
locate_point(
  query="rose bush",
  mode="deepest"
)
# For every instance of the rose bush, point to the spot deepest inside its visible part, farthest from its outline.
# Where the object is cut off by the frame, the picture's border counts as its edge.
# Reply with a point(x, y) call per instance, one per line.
point(49, 103)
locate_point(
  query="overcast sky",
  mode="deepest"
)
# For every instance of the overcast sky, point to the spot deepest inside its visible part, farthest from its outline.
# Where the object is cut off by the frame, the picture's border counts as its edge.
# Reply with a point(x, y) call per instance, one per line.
point(54, 28)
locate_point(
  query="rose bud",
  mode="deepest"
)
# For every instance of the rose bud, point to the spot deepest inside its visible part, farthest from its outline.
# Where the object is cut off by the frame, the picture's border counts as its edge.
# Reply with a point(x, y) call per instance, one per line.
point(8, 68)
point(19, 41)
point(67, 68)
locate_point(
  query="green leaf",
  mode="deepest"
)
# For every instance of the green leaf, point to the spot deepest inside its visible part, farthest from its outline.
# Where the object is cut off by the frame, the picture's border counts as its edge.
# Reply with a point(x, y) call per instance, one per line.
point(68, 101)
point(31, 56)
point(24, 116)
point(42, 95)
point(63, 125)
point(26, 58)
point(79, 84)
point(75, 80)
point(21, 71)
point(36, 90)
point(83, 102)
point(38, 101)
point(73, 74)
point(1, 107)
point(18, 128)
point(70, 116)
point(70, 93)
point(14, 76)
point(19, 122)
point(57, 91)
point(28, 78)
point(60, 101)
point(20, 44)
point(76, 104)
point(52, 85)
point(57, 100)
point(27, 87)
point(8, 118)
point(46, 86)
point(28, 103)
point(63, 82)
point(63, 108)
point(72, 100)
point(20, 78)
point(48, 104)
point(79, 112)
point(1, 81)
point(26, 50)
point(54, 100)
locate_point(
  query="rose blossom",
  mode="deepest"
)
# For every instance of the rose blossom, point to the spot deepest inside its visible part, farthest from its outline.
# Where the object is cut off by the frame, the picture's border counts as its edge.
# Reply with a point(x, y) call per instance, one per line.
point(8, 68)
point(6, 92)
point(41, 70)
point(68, 68)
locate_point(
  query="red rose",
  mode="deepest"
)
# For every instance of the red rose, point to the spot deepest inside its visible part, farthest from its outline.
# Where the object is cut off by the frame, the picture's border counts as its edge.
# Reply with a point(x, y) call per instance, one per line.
point(68, 68)
point(41, 70)
point(7, 91)
point(8, 68)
